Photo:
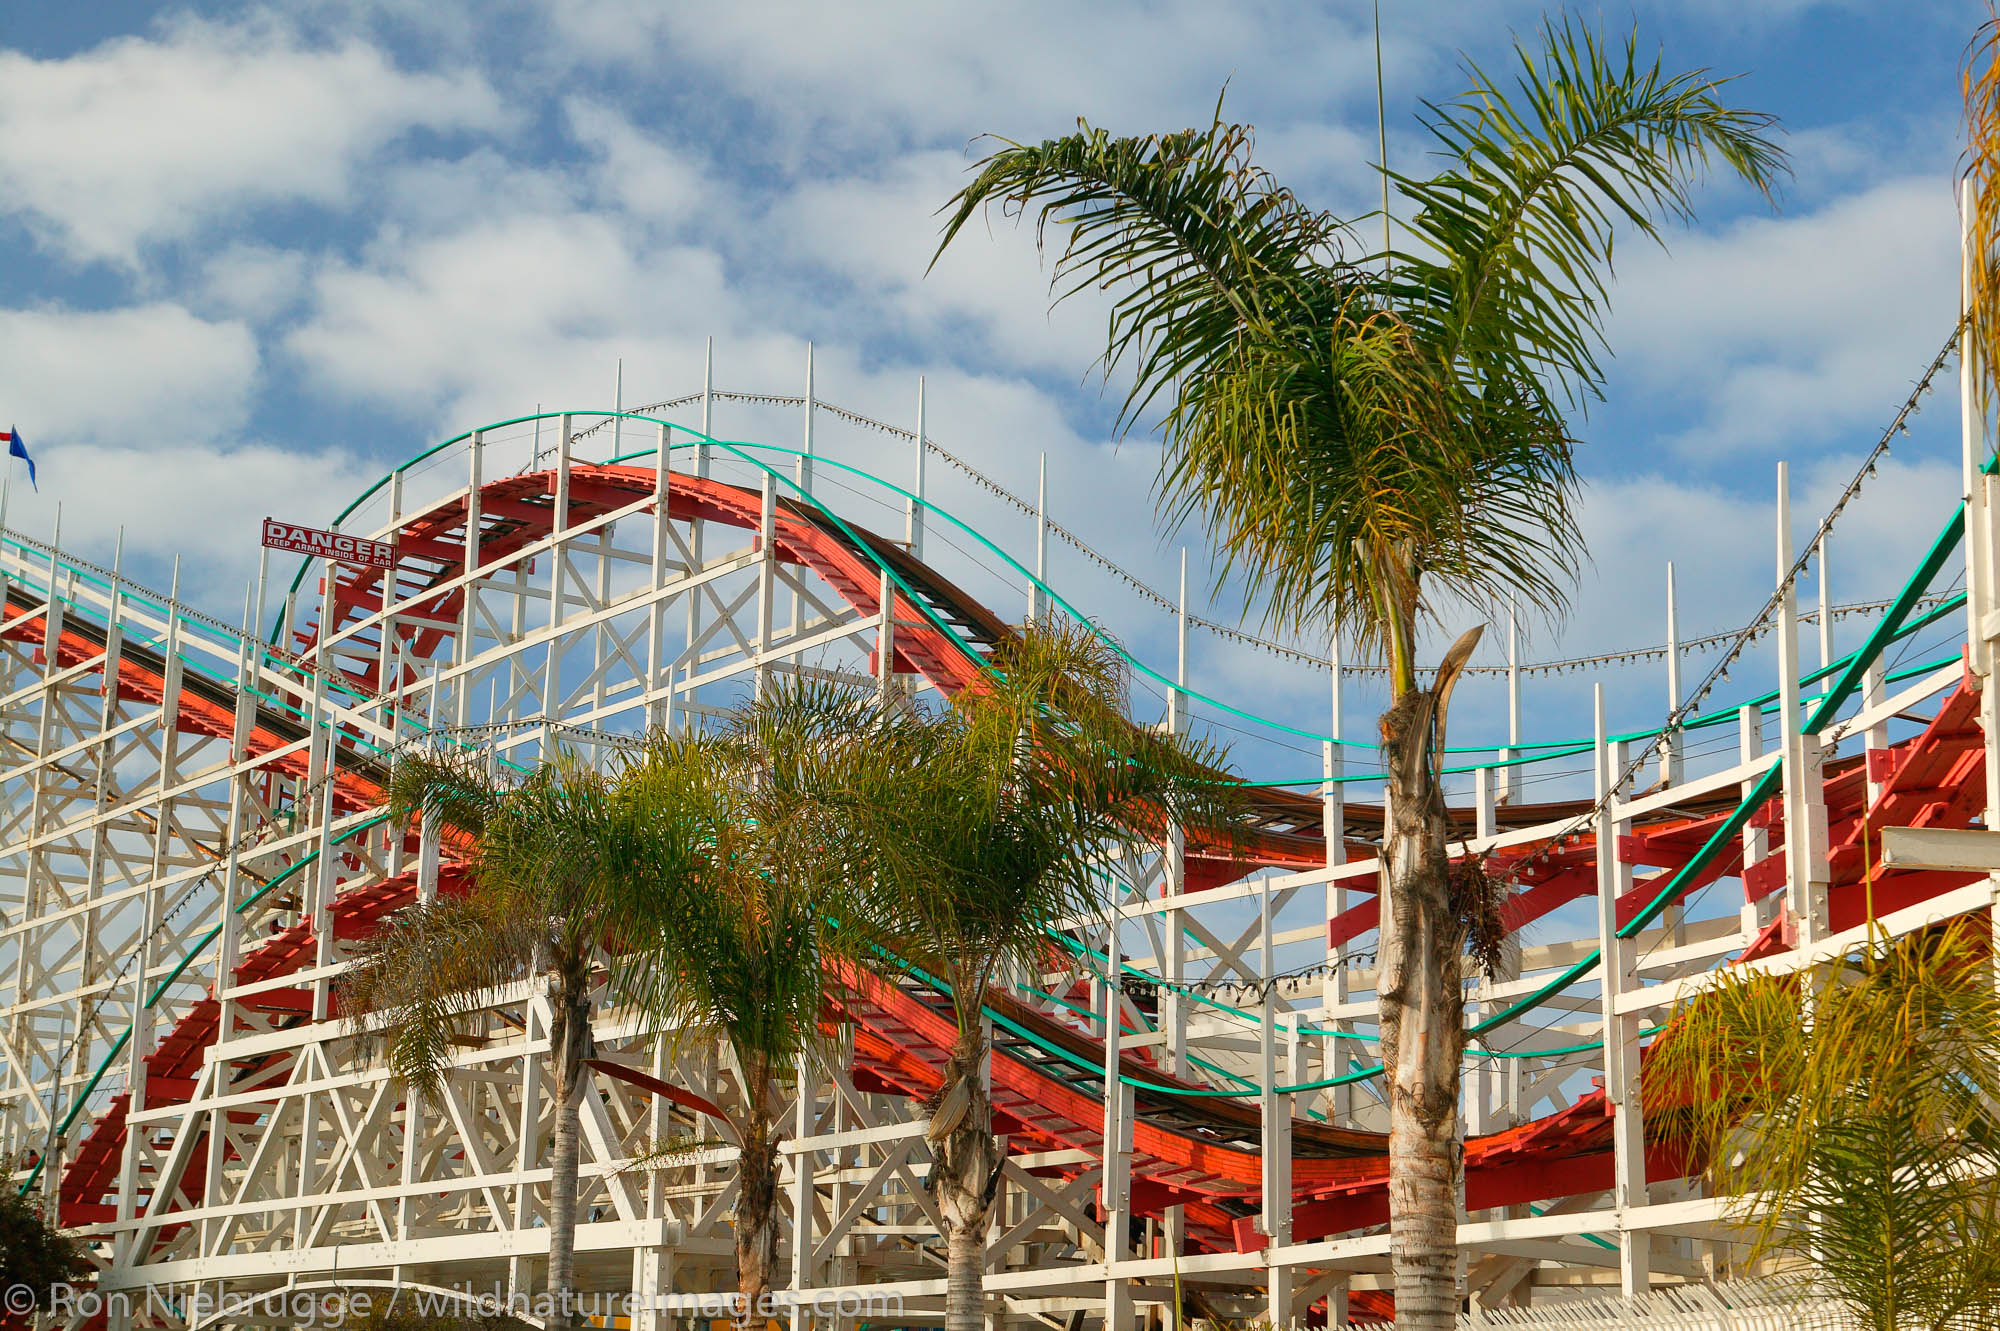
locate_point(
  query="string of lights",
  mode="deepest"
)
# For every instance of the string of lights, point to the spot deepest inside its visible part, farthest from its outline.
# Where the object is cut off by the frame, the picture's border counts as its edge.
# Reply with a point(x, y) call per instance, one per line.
point(1758, 625)
point(1288, 984)
point(1231, 633)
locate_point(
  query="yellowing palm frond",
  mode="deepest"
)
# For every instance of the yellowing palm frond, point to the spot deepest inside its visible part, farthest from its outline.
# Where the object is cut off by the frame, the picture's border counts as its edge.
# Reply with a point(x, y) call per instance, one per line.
point(1981, 85)
point(1854, 1110)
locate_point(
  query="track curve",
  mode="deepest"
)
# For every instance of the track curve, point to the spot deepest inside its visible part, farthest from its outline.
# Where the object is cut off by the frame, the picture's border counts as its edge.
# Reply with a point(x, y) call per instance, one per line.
point(1200, 1154)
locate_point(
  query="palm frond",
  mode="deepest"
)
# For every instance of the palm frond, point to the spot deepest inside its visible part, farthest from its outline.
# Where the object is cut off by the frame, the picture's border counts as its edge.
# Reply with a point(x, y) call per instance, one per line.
point(1364, 447)
point(989, 821)
point(452, 783)
point(1847, 1109)
point(736, 901)
point(1183, 223)
point(1518, 230)
point(548, 855)
point(1980, 77)
point(1348, 472)
point(429, 968)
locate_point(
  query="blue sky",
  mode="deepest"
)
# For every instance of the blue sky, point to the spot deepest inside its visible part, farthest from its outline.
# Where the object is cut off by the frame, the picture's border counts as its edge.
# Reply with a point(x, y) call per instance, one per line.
point(250, 256)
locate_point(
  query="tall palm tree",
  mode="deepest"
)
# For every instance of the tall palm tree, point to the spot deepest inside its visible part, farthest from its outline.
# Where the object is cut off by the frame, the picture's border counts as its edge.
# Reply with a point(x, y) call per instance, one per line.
point(1853, 1112)
point(1372, 441)
point(981, 825)
point(747, 943)
point(548, 857)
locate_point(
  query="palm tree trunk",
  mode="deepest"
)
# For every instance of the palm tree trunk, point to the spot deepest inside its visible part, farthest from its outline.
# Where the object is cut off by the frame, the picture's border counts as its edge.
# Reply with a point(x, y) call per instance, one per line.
point(757, 1203)
point(964, 1180)
point(1422, 1022)
point(569, 1048)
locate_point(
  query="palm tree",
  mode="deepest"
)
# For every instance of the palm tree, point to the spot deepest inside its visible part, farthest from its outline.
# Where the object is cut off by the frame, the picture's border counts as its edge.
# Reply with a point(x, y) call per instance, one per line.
point(1372, 441)
point(549, 855)
point(1981, 87)
point(981, 825)
point(748, 942)
point(35, 1255)
point(698, 869)
point(1851, 1112)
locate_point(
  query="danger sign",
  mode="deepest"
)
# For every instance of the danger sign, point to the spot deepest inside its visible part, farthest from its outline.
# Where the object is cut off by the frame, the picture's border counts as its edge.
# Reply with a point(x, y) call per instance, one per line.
point(328, 544)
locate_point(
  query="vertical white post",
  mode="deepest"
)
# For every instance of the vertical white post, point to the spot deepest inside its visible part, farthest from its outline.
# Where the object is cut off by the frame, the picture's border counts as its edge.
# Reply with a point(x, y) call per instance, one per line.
point(659, 668)
point(913, 513)
point(320, 792)
point(140, 1042)
point(804, 480)
point(564, 445)
point(1117, 1150)
point(229, 923)
point(695, 524)
point(805, 472)
point(1982, 542)
point(475, 464)
point(1509, 774)
point(767, 573)
point(263, 582)
point(707, 405)
point(1825, 617)
point(1333, 829)
point(469, 599)
point(1276, 1115)
point(1036, 608)
point(1177, 696)
point(1806, 875)
point(1671, 764)
point(387, 665)
point(552, 699)
point(1174, 1006)
point(1621, 1032)
point(1756, 840)
point(885, 635)
point(1874, 740)
point(805, 1124)
point(618, 406)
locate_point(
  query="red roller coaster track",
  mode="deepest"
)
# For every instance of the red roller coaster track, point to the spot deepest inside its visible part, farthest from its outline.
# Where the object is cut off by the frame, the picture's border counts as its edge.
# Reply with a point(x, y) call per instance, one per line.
point(1199, 1153)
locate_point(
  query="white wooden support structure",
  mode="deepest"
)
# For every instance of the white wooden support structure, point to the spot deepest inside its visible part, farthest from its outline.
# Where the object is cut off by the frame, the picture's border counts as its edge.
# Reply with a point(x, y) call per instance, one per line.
point(1621, 1032)
point(203, 849)
point(1115, 1196)
point(1806, 874)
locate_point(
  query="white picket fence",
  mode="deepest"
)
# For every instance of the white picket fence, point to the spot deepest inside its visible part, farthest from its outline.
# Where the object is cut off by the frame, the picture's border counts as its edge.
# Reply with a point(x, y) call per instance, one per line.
point(1743, 1305)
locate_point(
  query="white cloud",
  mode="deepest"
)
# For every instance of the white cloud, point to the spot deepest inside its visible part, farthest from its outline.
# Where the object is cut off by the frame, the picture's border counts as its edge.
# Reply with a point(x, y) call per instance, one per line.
point(141, 140)
point(638, 172)
point(255, 282)
point(878, 231)
point(173, 494)
point(486, 321)
point(122, 375)
point(862, 79)
point(1783, 330)
point(785, 187)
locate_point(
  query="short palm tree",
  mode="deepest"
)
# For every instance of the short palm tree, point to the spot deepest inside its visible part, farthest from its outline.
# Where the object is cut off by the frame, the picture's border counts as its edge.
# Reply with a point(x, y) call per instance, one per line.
point(746, 945)
point(1854, 1113)
point(1373, 440)
point(548, 859)
point(979, 827)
